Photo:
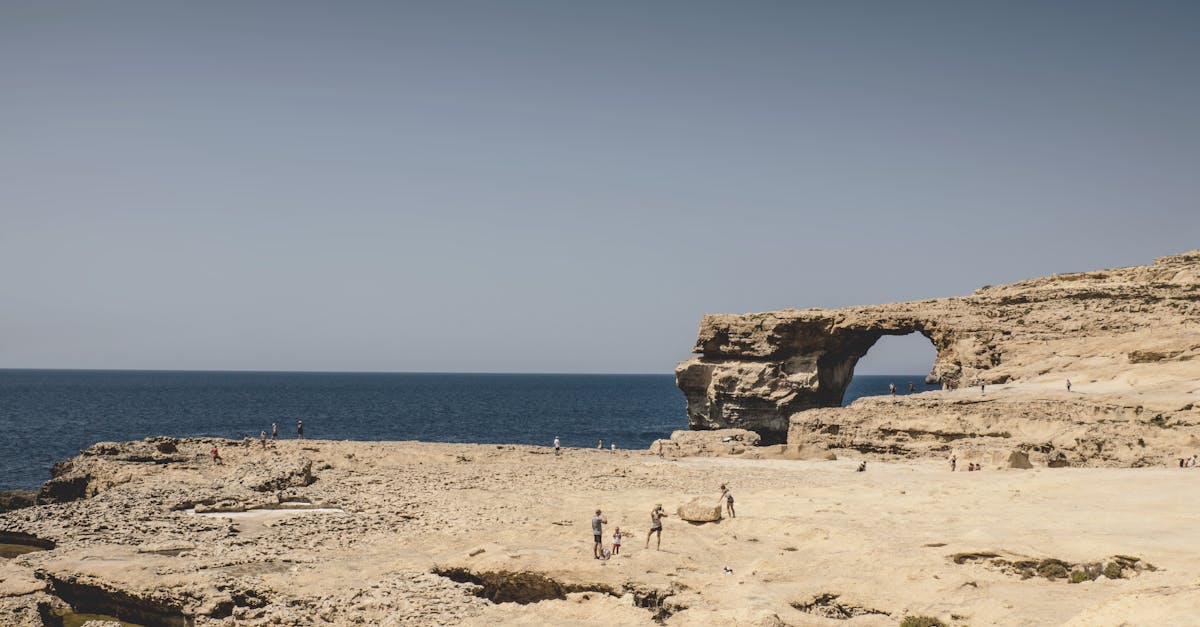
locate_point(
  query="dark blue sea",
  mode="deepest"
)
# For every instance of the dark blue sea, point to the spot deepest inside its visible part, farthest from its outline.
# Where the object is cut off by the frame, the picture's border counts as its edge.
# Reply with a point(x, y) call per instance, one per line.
point(49, 415)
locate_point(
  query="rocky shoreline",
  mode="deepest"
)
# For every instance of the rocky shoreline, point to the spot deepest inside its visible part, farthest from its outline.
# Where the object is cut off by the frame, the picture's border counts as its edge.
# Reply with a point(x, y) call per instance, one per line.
point(407, 533)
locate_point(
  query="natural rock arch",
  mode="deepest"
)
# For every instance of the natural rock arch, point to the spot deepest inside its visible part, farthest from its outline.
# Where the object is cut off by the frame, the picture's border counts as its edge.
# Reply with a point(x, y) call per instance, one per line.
point(755, 371)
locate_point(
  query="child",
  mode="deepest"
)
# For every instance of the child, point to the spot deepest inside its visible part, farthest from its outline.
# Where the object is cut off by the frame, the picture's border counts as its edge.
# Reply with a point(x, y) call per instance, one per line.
point(616, 541)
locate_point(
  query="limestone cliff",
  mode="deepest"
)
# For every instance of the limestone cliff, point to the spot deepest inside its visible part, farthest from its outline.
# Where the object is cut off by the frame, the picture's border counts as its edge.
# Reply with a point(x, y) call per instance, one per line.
point(1125, 337)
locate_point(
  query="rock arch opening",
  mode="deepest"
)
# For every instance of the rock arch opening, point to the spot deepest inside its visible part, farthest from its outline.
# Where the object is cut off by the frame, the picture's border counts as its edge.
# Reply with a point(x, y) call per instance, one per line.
point(904, 361)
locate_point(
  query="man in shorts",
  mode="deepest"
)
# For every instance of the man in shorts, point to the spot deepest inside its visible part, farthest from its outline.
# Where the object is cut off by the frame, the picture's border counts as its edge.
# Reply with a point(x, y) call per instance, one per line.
point(598, 522)
point(557, 446)
point(656, 516)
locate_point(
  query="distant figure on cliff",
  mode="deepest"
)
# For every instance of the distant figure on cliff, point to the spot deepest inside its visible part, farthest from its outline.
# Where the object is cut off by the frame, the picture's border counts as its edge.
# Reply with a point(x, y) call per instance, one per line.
point(656, 516)
point(274, 430)
point(613, 446)
point(892, 389)
point(557, 446)
point(262, 437)
point(600, 443)
point(216, 457)
point(299, 429)
point(911, 388)
point(660, 448)
point(727, 496)
point(982, 383)
point(1068, 385)
point(598, 522)
point(953, 462)
point(862, 466)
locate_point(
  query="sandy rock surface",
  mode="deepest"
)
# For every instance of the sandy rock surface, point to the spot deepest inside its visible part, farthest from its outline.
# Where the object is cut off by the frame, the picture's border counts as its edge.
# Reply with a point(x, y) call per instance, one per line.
point(402, 533)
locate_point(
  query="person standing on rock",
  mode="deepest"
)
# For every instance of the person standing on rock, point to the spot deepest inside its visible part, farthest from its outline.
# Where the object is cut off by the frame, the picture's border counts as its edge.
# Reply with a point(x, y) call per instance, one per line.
point(911, 388)
point(892, 389)
point(1068, 385)
point(274, 430)
point(557, 446)
point(600, 444)
point(262, 437)
point(656, 516)
point(299, 429)
point(727, 497)
point(953, 462)
point(598, 522)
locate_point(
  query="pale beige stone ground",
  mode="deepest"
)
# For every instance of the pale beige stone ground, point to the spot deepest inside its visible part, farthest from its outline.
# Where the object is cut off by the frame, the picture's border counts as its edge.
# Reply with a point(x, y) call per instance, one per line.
point(880, 539)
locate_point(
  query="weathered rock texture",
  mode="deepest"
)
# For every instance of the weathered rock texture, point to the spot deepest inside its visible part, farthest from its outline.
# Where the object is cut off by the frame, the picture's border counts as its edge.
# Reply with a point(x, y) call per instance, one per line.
point(415, 534)
point(1126, 338)
point(700, 510)
point(706, 443)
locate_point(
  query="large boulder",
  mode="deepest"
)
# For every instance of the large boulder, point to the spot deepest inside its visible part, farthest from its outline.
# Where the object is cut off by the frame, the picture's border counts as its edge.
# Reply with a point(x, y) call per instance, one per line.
point(700, 510)
point(272, 475)
point(66, 487)
point(714, 443)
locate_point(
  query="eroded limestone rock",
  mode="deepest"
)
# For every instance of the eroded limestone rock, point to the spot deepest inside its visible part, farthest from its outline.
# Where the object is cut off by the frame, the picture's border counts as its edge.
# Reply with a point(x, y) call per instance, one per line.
point(1127, 339)
point(700, 510)
point(719, 442)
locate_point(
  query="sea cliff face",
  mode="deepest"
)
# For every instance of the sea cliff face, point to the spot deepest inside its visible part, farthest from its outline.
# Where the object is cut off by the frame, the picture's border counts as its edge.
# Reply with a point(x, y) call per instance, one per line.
point(1126, 338)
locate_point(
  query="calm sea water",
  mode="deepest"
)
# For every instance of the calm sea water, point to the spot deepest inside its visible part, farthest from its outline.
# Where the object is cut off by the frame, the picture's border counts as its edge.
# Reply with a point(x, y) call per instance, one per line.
point(49, 415)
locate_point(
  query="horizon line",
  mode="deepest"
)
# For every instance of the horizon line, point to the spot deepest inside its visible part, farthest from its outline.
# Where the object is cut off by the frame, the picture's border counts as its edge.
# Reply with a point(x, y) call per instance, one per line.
point(442, 372)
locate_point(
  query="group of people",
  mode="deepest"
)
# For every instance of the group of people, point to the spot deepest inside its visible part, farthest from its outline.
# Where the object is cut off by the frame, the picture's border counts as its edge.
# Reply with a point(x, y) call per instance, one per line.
point(656, 526)
point(262, 438)
point(971, 466)
point(598, 521)
point(599, 446)
point(262, 435)
point(911, 388)
point(1185, 462)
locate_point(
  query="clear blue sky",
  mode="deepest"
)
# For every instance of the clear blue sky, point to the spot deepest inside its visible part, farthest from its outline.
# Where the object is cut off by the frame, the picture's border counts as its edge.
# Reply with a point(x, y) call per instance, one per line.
point(561, 186)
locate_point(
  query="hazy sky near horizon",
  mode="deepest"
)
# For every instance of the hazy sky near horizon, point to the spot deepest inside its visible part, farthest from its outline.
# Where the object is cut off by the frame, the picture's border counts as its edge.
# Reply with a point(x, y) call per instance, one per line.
point(562, 186)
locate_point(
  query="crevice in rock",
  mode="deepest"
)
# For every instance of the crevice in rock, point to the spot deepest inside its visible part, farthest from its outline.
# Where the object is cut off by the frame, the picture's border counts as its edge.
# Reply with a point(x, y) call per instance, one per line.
point(863, 447)
point(14, 543)
point(93, 598)
point(944, 436)
point(827, 605)
point(1053, 569)
point(523, 587)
